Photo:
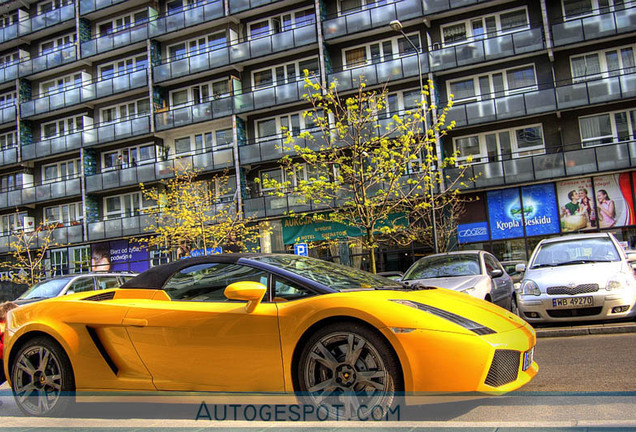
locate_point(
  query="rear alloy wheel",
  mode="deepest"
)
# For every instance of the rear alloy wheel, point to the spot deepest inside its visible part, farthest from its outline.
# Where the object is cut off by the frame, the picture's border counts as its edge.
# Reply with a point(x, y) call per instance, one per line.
point(349, 371)
point(42, 378)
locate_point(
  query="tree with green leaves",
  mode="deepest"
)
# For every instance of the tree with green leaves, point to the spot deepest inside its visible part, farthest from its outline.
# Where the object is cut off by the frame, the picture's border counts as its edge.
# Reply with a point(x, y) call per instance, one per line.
point(370, 169)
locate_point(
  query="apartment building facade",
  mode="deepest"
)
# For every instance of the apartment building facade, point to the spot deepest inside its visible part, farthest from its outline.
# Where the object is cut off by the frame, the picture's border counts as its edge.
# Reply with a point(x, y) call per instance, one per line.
point(97, 96)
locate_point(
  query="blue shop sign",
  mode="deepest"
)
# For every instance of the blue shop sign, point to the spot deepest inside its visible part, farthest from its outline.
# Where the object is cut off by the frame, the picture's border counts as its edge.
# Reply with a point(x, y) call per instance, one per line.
point(472, 232)
point(505, 214)
point(540, 209)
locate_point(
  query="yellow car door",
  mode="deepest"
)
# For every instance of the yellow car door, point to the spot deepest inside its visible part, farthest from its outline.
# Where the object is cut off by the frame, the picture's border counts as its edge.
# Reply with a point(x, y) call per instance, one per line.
point(200, 340)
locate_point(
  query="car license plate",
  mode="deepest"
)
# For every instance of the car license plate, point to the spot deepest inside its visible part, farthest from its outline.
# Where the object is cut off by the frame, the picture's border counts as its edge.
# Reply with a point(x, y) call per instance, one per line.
point(572, 302)
point(528, 358)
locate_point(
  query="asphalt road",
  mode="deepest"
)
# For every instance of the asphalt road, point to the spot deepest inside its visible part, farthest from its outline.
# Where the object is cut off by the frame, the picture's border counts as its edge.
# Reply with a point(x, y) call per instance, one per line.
point(584, 381)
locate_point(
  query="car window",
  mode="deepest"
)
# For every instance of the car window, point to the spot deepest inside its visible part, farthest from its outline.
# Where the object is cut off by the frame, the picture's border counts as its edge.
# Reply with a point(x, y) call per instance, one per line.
point(106, 282)
point(45, 289)
point(586, 249)
point(285, 290)
point(81, 285)
point(491, 263)
point(207, 282)
point(438, 266)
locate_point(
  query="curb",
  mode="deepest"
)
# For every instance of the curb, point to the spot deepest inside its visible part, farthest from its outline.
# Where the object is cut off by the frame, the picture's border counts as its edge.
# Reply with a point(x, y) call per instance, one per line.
point(586, 330)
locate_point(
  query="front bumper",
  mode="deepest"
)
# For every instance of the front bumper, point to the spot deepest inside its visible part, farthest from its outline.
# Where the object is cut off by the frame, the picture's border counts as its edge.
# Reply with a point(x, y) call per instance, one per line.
point(541, 308)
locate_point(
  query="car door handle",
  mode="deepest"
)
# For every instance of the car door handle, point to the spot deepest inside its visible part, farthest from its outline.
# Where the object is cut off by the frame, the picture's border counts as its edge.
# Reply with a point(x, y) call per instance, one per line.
point(135, 322)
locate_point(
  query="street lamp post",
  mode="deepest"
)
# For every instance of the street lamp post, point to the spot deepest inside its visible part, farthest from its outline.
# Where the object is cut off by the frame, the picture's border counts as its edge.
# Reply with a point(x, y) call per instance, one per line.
point(396, 25)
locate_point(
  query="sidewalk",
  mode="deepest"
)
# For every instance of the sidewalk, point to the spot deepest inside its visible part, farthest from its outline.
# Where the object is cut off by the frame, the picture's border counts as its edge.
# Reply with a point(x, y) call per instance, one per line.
point(586, 329)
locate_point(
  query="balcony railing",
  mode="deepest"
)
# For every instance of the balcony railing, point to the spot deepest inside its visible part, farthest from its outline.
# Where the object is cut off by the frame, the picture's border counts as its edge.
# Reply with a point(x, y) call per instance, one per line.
point(87, 91)
point(122, 38)
point(223, 107)
point(582, 161)
point(596, 91)
point(8, 156)
point(379, 73)
point(52, 146)
point(41, 193)
point(63, 235)
point(273, 147)
point(48, 61)
point(9, 32)
point(198, 13)
point(114, 228)
point(594, 27)
point(149, 172)
point(267, 206)
point(123, 129)
point(88, 6)
point(369, 18)
point(47, 19)
point(8, 72)
point(434, 6)
point(478, 51)
point(237, 6)
point(7, 114)
point(262, 46)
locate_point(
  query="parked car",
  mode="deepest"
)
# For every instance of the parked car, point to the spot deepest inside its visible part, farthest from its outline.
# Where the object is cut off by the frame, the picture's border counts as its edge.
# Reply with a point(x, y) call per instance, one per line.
point(265, 323)
point(69, 284)
point(477, 273)
point(511, 268)
point(578, 277)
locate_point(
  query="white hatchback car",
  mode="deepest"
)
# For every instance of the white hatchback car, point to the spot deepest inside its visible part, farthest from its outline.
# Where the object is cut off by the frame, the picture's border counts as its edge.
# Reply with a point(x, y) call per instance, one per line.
point(580, 277)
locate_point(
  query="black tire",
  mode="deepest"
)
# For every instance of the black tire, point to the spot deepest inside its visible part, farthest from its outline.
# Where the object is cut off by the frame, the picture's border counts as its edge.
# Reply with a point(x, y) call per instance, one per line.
point(42, 378)
point(345, 367)
point(514, 307)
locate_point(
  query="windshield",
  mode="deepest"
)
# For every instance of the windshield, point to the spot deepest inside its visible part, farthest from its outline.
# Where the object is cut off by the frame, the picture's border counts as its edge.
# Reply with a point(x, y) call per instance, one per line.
point(444, 266)
point(45, 289)
point(335, 276)
point(598, 249)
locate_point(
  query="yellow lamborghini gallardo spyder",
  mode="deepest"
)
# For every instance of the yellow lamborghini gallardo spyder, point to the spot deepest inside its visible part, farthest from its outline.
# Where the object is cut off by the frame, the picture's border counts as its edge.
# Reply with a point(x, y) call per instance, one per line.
point(263, 323)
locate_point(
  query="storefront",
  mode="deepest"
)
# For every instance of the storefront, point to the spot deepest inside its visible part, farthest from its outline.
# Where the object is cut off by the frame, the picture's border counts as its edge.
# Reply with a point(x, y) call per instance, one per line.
point(510, 222)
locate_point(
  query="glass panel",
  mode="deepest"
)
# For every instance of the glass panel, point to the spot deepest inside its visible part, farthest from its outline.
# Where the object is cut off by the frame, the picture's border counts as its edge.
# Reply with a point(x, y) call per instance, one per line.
point(512, 20)
point(575, 8)
point(521, 78)
point(529, 137)
point(182, 145)
point(454, 33)
point(267, 128)
point(596, 127)
point(622, 128)
point(355, 57)
point(463, 89)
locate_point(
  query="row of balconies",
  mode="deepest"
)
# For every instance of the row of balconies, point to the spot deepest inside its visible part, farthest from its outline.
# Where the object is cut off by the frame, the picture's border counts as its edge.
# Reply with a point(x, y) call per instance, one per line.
point(28, 25)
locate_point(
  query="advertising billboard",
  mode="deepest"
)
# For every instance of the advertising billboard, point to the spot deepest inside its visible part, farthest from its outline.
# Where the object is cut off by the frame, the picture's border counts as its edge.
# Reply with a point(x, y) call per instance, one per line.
point(540, 211)
point(472, 232)
point(505, 214)
point(119, 256)
point(577, 211)
point(614, 206)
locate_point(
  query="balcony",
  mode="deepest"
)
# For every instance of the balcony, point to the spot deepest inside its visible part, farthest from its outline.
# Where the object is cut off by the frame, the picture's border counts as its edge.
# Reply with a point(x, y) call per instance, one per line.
point(266, 206)
point(198, 13)
point(8, 156)
point(48, 61)
point(237, 6)
point(378, 73)
point(47, 147)
point(120, 39)
point(123, 129)
point(478, 51)
point(251, 49)
point(594, 27)
point(355, 21)
point(150, 172)
point(272, 148)
point(88, 6)
point(9, 32)
point(223, 107)
point(435, 6)
point(8, 72)
point(117, 228)
point(64, 235)
point(88, 91)
point(596, 91)
point(7, 114)
point(41, 193)
point(582, 161)
point(47, 20)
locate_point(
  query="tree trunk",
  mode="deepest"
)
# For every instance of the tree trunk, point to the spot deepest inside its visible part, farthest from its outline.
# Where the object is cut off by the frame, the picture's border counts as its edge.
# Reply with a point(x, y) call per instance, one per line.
point(371, 244)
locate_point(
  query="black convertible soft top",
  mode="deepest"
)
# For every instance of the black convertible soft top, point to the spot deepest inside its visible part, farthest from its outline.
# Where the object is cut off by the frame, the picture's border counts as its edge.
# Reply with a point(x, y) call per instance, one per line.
point(156, 277)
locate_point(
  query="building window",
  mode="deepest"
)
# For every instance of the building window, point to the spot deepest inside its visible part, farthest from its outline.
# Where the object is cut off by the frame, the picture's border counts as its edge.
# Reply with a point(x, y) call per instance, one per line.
point(378, 52)
point(485, 26)
point(580, 8)
point(61, 171)
point(494, 84)
point(63, 126)
point(67, 214)
point(281, 23)
point(199, 45)
point(349, 6)
point(129, 157)
point(279, 125)
point(126, 205)
point(80, 260)
point(10, 223)
point(199, 93)
point(603, 64)
point(61, 84)
point(122, 67)
point(8, 140)
point(121, 112)
point(8, 20)
point(7, 99)
point(13, 181)
point(176, 6)
point(224, 188)
point(122, 22)
point(59, 262)
point(286, 73)
point(503, 144)
point(199, 142)
point(607, 128)
point(9, 59)
point(49, 6)
point(57, 44)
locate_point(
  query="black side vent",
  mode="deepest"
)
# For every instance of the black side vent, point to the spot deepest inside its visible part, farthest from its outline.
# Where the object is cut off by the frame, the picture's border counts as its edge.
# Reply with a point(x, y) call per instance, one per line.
point(100, 347)
point(101, 297)
point(504, 368)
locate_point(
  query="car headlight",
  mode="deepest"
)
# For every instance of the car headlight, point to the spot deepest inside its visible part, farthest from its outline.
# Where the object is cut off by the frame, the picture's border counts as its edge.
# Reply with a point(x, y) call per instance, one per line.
point(617, 282)
point(529, 287)
point(456, 319)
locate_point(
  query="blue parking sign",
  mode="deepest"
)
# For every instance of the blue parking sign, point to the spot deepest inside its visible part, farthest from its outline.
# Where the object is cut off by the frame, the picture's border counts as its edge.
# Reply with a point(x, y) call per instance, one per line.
point(301, 249)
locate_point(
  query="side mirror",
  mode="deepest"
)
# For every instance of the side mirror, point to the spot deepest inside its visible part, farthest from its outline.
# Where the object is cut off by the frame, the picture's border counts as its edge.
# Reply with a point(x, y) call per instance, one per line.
point(251, 292)
point(520, 268)
point(496, 273)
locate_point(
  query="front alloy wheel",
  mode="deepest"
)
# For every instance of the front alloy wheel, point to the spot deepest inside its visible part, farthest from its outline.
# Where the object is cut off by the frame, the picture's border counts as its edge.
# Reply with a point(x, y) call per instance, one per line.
point(350, 371)
point(42, 378)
